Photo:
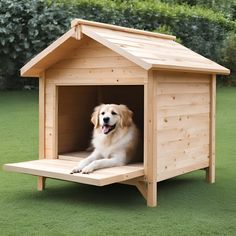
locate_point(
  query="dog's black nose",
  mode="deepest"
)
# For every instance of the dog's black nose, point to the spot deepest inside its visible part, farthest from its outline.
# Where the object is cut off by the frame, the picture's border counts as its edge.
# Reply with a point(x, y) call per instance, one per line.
point(106, 119)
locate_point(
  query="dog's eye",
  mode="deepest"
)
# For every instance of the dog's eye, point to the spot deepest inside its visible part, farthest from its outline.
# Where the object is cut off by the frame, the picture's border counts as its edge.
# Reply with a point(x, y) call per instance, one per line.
point(113, 113)
point(103, 113)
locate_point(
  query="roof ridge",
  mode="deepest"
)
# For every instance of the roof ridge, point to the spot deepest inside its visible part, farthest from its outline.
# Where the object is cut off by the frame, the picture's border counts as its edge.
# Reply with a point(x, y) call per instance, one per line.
point(77, 22)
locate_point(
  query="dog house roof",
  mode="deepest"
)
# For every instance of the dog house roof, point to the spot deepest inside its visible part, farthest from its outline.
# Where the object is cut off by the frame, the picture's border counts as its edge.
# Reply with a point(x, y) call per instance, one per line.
point(147, 49)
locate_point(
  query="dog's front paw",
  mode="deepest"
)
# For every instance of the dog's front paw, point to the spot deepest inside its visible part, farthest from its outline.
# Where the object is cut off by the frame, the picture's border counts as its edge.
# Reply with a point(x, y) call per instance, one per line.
point(76, 169)
point(79, 167)
point(88, 169)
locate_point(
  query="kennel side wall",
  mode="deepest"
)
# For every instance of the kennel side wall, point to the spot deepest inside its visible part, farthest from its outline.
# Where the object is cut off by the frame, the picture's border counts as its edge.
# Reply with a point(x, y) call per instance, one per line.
point(90, 64)
point(183, 123)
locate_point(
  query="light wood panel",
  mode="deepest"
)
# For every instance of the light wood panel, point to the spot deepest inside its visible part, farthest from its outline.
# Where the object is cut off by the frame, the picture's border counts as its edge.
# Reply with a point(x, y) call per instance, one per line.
point(116, 48)
point(95, 65)
point(42, 116)
point(73, 156)
point(182, 170)
point(183, 77)
point(49, 119)
point(210, 172)
point(145, 42)
point(180, 134)
point(99, 57)
point(169, 100)
point(60, 169)
point(183, 110)
point(93, 50)
point(93, 62)
point(184, 88)
point(166, 54)
point(150, 51)
point(183, 123)
point(41, 180)
point(171, 158)
point(150, 137)
point(78, 22)
point(75, 106)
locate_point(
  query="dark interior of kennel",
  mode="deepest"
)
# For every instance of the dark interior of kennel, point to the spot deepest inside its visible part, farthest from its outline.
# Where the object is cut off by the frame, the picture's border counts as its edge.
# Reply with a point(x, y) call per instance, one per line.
point(76, 104)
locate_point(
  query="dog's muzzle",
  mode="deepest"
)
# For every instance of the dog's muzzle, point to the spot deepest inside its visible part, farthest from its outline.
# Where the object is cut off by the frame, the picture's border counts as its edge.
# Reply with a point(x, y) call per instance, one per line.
point(106, 129)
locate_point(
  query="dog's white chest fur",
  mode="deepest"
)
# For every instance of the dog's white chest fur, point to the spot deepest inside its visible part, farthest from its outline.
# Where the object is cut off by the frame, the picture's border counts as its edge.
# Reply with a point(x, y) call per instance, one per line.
point(120, 141)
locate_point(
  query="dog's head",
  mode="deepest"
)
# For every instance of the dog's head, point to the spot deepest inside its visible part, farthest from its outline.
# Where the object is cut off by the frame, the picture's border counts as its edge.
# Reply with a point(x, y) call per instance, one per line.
point(108, 117)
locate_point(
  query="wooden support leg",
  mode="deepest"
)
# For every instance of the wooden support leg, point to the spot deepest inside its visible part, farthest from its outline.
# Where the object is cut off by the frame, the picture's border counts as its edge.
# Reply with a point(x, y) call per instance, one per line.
point(151, 194)
point(41, 183)
point(148, 190)
point(210, 174)
point(142, 187)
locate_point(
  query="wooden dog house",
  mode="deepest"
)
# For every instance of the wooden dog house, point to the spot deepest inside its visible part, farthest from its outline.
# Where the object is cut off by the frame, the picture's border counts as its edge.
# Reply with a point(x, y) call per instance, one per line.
point(170, 89)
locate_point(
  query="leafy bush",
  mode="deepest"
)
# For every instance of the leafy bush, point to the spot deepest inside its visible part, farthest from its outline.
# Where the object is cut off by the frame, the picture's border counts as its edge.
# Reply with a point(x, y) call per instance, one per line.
point(27, 27)
point(228, 55)
point(226, 7)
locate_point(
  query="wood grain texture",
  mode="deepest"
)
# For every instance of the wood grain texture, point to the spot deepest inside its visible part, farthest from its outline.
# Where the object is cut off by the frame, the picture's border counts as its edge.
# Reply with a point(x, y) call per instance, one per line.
point(182, 123)
point(41, 183)
point(42, 116)
point(150, 136)
point(49, 119)
point(60, 169)
point(78, 22)
point(152, 52)
point(210, 172)
point(147, 50)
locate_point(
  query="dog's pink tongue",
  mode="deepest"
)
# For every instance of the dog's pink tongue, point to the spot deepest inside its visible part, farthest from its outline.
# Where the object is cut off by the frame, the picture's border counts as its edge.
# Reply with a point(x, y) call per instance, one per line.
point(105, 128)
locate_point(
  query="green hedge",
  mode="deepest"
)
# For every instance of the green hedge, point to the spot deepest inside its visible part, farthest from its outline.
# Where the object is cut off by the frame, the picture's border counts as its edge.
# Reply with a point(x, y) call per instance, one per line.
point(27, 27)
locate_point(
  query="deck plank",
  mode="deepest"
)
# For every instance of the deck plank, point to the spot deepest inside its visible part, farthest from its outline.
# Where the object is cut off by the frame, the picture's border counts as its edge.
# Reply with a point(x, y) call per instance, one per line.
point(60, 169)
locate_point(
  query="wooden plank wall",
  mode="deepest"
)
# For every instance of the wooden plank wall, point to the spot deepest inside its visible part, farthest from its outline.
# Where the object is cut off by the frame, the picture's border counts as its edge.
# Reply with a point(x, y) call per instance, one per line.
point(90, 64)
point(183, 102)
point(75, 106)
point(49, 121)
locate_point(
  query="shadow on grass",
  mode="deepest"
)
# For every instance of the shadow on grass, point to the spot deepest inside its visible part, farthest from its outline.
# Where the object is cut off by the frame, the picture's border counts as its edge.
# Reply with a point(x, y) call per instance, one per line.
point(114, 195)
point(72, 193)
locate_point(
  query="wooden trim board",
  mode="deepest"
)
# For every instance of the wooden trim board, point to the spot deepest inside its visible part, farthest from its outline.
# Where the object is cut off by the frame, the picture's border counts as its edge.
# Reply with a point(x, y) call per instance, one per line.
point(149, 139)
point(77, 22)
point(60, 169)
point(210, 171)
point(42, 116)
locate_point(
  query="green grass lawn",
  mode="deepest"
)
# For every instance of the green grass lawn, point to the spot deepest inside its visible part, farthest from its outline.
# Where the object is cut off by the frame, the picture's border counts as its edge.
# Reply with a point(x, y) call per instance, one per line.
point(186, 205)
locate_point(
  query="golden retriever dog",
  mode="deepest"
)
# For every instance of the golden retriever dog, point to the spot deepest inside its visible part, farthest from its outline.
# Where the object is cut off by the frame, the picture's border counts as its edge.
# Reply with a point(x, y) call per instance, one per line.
point(115, 139)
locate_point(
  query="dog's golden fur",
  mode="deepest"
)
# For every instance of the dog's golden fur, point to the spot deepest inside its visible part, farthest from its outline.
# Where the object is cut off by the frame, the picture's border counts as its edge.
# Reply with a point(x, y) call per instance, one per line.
point(115, 139)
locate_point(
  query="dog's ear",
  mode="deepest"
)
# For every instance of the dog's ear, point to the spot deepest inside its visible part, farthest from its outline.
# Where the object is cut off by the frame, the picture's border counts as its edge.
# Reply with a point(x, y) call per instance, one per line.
point(95, 116)
point(126, 116)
